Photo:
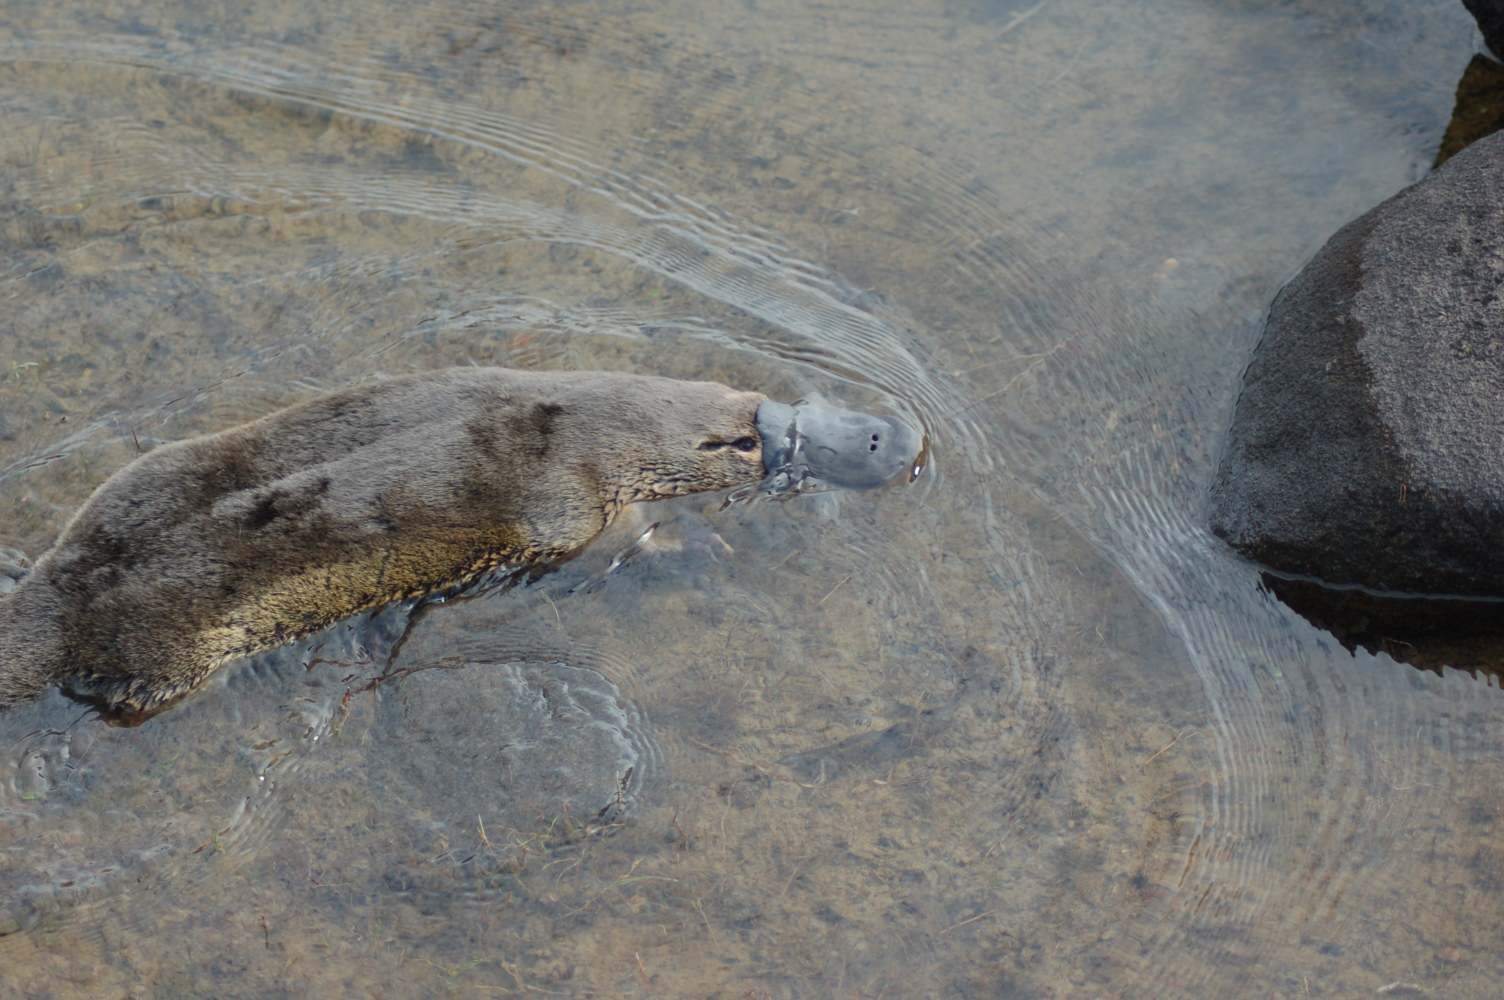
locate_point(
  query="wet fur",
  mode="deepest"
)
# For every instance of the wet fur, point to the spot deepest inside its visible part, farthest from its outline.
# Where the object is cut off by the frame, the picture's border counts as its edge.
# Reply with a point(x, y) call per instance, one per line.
point(213, 548)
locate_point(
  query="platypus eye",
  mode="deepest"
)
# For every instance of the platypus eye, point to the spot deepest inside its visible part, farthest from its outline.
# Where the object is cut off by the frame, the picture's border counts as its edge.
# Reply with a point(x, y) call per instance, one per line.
point(740, 444)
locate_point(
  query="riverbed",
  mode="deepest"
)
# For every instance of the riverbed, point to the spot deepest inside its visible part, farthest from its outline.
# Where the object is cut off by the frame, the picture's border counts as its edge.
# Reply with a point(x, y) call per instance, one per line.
point(1020, 728)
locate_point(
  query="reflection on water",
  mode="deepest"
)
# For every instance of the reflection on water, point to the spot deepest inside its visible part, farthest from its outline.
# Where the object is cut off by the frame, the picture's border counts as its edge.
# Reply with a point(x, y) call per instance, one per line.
point(1019, 728)
point(1429, 632)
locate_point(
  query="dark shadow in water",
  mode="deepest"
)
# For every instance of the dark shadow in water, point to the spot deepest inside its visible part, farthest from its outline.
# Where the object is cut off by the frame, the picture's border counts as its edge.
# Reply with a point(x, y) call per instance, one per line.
point(870, 753)
point(1479, 110)
point(1427, 632)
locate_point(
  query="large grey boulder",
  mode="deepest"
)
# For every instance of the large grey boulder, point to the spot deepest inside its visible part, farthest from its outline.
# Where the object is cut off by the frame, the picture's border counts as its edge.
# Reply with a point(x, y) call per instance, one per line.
point(1490, 17)
point(1368, 443)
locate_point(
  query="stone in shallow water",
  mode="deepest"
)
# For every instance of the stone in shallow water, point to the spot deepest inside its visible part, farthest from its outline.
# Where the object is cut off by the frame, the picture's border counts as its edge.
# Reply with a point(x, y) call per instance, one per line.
point(1366, 446)
point(515, 744)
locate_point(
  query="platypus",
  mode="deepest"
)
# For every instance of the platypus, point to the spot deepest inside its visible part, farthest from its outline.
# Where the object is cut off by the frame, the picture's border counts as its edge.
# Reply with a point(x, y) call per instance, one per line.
point(213, 548)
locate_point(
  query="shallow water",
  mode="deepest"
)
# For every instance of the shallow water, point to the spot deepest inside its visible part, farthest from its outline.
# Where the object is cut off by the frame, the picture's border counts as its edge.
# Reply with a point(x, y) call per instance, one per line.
point(1022, 728)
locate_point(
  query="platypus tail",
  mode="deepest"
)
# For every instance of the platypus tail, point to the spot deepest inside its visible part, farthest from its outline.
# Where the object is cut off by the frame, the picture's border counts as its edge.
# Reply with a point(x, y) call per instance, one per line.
point(30, 644)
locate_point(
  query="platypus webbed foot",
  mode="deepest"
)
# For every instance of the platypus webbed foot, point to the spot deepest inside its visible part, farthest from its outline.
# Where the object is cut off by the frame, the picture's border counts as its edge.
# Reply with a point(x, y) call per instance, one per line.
point(125, 701)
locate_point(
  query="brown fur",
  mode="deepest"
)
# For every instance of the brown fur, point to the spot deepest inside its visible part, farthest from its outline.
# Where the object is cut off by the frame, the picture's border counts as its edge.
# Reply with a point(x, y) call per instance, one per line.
point(212, 548)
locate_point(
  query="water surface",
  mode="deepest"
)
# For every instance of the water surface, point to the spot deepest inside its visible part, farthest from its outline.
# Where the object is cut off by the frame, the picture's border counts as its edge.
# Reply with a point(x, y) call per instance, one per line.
point(1020, 729)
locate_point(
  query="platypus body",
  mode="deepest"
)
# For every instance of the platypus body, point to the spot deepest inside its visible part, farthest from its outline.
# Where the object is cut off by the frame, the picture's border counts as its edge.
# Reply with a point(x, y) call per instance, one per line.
point(210, 549)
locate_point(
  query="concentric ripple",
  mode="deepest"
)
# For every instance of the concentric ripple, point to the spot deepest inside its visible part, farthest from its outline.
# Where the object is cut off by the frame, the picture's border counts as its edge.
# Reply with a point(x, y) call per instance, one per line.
point(90, 811)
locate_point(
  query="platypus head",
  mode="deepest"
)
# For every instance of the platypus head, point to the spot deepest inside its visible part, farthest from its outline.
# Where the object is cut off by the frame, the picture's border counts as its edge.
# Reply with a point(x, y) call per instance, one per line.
point(670, 438)
point(667, 438)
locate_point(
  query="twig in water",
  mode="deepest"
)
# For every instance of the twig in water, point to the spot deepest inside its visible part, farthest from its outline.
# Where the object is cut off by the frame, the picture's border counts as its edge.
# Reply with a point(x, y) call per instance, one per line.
point(1155, 755)
point(833, 590)
point(968, 920)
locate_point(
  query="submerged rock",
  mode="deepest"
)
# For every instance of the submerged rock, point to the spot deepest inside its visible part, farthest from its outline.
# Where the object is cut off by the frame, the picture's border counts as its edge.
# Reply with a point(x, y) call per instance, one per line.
point(1366, 446)
point(513, 743)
